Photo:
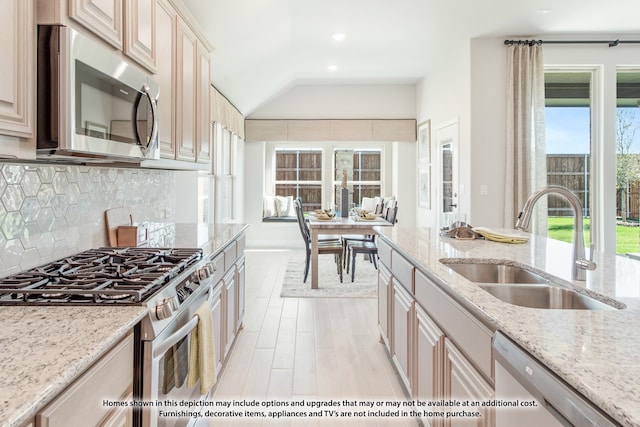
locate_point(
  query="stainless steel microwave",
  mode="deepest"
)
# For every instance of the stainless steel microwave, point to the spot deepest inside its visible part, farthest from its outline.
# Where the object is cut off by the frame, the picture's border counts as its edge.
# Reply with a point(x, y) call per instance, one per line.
point(92, 104)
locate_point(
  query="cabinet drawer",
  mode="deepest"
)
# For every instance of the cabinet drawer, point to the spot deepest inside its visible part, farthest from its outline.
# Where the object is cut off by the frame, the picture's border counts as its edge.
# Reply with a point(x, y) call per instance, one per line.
point(219, 270)
point(469, 335)
point(241, 245)
point(229, 256)
point(384, 253)
point(402, 270)
point(111, 378)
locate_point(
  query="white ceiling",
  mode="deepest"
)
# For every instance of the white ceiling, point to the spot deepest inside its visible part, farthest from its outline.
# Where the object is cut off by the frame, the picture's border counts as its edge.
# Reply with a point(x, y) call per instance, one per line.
point(265, 47)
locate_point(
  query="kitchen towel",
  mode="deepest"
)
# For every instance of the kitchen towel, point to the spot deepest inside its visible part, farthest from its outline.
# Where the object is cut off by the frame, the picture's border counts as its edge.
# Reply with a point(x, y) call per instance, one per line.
point(181, 361)
point(202, 357)
point(169, 377)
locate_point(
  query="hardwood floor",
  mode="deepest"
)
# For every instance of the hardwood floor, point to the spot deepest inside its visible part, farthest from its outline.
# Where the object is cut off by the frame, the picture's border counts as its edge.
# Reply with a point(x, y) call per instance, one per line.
point(305, 348)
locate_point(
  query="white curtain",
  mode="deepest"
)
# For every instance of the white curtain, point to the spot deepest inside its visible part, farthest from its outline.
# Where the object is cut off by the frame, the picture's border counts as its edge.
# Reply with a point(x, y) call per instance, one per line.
point(526, 152)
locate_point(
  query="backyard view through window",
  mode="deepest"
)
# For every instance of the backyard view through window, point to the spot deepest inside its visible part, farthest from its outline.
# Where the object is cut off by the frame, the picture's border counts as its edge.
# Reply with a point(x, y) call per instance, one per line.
point(363, 169)
point(569, 155)
point(299, 174)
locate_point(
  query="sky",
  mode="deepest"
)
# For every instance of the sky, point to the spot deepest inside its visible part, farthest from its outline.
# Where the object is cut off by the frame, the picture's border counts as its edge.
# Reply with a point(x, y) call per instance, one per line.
point(567, 130)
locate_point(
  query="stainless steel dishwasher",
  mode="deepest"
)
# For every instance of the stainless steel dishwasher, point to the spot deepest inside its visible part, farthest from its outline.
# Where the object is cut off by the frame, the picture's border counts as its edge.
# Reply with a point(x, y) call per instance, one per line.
point(520, 377)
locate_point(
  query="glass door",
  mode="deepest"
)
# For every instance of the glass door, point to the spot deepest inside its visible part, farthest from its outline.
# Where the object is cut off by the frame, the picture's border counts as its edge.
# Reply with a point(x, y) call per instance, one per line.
point(447, 140)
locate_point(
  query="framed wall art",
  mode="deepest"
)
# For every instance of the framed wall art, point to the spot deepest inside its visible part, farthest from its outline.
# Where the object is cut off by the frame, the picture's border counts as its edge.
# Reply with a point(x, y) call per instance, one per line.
point(424, 142)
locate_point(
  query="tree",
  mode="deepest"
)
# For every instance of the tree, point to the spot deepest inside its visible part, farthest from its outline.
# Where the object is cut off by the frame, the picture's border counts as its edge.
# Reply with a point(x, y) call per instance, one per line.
point(628, 162)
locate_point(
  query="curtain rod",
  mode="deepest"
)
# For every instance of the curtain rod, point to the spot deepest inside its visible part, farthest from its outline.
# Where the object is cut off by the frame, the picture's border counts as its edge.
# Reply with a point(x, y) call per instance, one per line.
point(612, 43)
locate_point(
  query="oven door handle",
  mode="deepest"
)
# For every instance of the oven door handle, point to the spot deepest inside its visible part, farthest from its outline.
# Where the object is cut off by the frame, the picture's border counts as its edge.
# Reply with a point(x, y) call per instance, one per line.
point(173, 339)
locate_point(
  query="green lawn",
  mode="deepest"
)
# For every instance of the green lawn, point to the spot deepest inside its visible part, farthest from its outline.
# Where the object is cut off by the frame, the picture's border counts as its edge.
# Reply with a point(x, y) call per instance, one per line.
point(627, 238)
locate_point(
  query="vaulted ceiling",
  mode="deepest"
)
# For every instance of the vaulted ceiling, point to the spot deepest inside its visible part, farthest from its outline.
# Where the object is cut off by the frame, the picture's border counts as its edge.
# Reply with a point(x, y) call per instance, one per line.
point(265, 47)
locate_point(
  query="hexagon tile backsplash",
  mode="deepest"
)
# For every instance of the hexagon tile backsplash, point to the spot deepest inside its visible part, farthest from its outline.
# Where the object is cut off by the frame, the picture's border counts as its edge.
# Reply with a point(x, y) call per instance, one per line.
point(47, 212)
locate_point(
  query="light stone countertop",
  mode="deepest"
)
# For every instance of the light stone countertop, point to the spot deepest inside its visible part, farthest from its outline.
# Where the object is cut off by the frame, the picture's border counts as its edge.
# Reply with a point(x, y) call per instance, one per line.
point(596, 351)
point(44, 349)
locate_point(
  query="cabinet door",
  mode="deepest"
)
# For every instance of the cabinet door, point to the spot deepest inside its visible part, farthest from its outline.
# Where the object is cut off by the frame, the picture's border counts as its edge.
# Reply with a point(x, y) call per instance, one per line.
point(401, 336)
point(384, 309)
point(230, 306)
point(140, 35)
point(241, 290)
point(215, 302)
point(429, 355)
point(122, 416)
point(203, 134)
point(17, 68)
point(80, 404)
point(166, 19)
point(463, 382)
point(102, 17)
point(186, 93)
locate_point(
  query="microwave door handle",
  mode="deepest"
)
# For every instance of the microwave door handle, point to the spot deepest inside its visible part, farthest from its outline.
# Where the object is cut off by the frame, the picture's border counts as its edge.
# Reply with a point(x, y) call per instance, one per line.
point(173, 339)
point(148, 149)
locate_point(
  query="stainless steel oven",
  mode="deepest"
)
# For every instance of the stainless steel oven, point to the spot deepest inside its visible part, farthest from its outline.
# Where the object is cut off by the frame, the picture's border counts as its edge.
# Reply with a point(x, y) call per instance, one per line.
point(92, 103)
point(165, 364)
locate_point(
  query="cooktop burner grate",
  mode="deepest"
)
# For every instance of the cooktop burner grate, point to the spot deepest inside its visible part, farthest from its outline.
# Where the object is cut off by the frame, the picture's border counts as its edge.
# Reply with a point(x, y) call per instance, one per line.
point(98, 276)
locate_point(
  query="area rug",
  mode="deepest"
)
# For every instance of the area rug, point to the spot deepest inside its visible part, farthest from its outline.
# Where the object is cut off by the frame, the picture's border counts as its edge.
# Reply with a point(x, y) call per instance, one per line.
point(329, 286)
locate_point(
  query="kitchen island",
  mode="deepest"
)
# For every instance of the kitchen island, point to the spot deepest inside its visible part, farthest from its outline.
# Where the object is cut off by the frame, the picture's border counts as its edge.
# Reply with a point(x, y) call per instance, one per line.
point(597, 352)
point(46, 348)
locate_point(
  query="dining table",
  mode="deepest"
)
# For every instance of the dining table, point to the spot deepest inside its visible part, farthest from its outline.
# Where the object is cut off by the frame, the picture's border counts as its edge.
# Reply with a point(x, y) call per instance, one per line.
point(338, 225)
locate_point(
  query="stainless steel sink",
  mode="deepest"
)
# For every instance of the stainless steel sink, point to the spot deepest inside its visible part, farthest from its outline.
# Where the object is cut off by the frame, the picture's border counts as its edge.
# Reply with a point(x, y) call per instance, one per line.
point(544, 296)
point(519, 286)
point(495, 273)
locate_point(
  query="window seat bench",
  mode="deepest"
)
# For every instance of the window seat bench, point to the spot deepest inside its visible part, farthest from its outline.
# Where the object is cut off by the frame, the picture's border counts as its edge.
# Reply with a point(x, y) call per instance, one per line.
point(279, 219)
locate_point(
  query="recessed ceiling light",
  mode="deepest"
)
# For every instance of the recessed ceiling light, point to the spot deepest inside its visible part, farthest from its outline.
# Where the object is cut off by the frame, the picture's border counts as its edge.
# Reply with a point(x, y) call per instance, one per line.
point(338, 37)
point(332, 67)
point(544, 11)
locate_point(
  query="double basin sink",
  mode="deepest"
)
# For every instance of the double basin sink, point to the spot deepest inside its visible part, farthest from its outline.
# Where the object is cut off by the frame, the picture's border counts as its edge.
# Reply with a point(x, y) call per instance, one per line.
point(516, 285)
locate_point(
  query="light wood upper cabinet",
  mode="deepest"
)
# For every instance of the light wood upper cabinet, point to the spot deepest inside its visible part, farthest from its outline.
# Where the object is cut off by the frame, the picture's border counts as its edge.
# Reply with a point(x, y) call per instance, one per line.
point(17, 68)
point(186, 93)
point(166, 19)
point(203, 92)
point(102, 17)
point(140, 34)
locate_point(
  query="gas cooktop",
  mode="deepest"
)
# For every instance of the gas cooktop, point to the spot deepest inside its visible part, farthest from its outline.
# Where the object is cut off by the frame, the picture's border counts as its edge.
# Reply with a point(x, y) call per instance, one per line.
point(98, 276)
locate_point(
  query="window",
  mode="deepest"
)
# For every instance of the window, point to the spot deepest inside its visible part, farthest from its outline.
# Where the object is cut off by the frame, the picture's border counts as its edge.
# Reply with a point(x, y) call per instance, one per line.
point(298, 173)
point(627, 162)
point(364, 172)
point(570, 146)
point(568, 115)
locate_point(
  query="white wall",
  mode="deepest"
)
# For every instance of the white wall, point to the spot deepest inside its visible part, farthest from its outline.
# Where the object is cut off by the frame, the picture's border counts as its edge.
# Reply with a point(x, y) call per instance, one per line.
point(442, 97)
point(488, 131)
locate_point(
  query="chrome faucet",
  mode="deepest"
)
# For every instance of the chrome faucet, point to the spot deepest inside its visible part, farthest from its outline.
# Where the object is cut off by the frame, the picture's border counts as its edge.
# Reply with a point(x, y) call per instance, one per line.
point(579, 262)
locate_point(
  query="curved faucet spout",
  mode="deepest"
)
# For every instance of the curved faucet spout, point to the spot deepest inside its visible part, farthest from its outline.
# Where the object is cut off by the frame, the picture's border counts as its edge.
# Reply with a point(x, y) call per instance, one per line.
point(579, 263)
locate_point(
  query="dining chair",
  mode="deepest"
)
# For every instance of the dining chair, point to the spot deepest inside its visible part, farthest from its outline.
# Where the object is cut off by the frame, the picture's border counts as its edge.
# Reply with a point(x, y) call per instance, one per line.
point(359, 237)
point(368, 247)
point(324, 247)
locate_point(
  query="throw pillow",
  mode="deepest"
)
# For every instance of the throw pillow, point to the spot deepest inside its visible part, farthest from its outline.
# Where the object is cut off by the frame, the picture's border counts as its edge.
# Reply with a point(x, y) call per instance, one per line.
point(368, 204)
point(268, 206)
point(284, 206)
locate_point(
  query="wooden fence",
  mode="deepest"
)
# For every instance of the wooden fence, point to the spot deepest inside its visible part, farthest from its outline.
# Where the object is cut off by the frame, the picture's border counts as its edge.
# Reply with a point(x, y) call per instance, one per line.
point(573, 171)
